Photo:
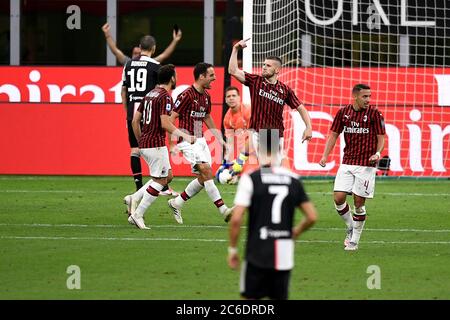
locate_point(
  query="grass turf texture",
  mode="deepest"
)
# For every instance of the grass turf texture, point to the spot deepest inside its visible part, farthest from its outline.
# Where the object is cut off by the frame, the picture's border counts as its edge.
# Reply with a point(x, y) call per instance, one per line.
point(50, 223)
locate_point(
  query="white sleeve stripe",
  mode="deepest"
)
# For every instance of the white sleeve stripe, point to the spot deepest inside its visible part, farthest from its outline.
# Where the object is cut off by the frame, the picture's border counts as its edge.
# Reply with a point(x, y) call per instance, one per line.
point(239, 202)
point(244, 191)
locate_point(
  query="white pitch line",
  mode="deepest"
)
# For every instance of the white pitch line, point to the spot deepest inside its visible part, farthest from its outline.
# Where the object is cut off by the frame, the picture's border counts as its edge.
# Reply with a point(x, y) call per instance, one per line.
point(378, 193)
point(185, 226)
point(413, 194)
point(78, 178)
point(389, 230)
point(60, 191)
point(108, 238)
point(101, 225)
point(201, 240)
point(225, 192)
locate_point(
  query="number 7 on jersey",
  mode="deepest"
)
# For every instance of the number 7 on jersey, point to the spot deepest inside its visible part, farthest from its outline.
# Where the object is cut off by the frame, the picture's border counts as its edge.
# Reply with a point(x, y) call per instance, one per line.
point(280, 193)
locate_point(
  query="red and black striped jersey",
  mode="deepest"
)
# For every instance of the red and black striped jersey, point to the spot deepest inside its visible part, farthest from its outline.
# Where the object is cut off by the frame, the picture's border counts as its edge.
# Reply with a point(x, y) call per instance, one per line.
point(360, 130)
point(268, 101)
point(156, 103)
point(192, 107)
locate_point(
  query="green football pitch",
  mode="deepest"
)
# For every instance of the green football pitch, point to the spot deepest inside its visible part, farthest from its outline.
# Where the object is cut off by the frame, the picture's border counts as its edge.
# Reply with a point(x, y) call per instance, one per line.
point(48, 224)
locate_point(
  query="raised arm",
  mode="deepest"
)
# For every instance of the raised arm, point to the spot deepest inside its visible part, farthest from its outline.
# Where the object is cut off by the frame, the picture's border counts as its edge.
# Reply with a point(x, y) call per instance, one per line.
point(328, 147)
point(233, 68)
point(120, 56)
point(171, 48)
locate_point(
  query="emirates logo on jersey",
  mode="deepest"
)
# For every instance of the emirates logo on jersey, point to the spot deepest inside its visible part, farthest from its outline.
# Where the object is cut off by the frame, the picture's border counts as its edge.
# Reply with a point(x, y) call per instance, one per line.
point(271, 97)
point(198, 114)
point(355, 128)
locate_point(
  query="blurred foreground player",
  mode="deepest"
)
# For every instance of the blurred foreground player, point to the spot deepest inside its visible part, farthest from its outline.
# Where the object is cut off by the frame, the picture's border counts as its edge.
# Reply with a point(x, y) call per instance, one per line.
point(271, 195)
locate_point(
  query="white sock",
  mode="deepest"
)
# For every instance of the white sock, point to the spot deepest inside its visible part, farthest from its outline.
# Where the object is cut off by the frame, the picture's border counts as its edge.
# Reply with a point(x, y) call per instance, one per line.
point(149, 197)
point(140, 193)
point(345, 213)
point(215, 196)
point(191, 190)
point(359, 219)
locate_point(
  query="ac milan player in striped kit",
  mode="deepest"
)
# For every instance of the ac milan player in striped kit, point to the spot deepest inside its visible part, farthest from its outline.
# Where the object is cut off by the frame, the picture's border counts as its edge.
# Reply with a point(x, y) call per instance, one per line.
point(193, 108)
point(268, 97)
point(154, 112)
point(363, 128)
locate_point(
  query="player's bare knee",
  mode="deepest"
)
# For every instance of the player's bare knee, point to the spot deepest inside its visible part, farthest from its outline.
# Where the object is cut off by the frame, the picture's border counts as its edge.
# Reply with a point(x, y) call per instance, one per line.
point(205, 171)
point(170, 177)
point(338, 203)
point(360, 210)
point(209, 175)
point(359, 202)
point(162, 181)
point(339, 199)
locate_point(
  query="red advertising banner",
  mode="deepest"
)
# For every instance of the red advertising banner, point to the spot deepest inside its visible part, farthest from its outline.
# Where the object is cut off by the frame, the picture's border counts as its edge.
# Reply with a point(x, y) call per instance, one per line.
point(69, 120)
point(80, 84)
point(70, 139)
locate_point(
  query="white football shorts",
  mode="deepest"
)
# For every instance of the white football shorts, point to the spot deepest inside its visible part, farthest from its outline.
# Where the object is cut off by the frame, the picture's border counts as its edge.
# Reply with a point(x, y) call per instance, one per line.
point(195, 153)
point(157, 160)
point(359, 180)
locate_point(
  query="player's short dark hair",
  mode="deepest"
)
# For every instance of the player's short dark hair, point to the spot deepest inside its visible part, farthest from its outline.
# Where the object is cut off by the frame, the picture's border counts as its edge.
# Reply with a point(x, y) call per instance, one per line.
point(275, 58)
point(229, 88)
point(201, 68)
point(147, 43)
point(360, 86)
point(165, 73)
